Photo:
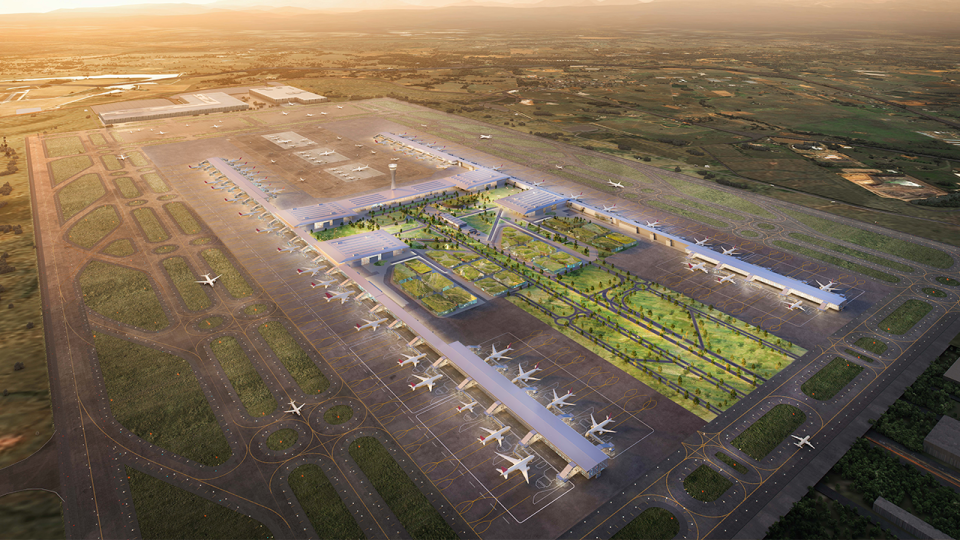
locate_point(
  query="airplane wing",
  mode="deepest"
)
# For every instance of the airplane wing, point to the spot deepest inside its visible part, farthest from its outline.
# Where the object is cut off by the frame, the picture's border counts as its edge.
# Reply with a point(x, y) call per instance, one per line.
point(526, 474)
point(513, 461)
point(489, 431)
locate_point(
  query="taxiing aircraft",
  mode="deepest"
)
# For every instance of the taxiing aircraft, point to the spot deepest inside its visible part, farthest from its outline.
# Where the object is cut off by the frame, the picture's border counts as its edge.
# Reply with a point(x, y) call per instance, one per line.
point(295, 410)
point(339, 107)
point(802, 441)
point(325, 284)
point(464, 406)
point(373, 325)
point(499, 355)
point(614, 184)
point(701, 242)
point(829, 287)
point(559, 167)
point(486, 136)
point(308, 114)
point(122, 157)
point(701, 266)
point(426, 381)
point(731, 251)
point(521, 465)
point(795, 305)
point(312, 271)
point(411, 359)
point(342, 296)
point(207, 280)
point(161, 132)
point(216, 126)
point(283, 113)
point(726, 278)
point(597, 429)
point(526, 375)
point(561, 400)
point(494, 434)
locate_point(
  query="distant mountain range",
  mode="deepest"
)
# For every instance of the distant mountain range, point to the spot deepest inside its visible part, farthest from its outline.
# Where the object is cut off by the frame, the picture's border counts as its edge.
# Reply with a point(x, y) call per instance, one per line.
point(578, 16)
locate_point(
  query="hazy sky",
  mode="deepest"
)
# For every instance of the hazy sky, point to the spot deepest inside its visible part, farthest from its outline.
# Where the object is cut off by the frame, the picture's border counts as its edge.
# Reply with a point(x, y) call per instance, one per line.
point(42, 6)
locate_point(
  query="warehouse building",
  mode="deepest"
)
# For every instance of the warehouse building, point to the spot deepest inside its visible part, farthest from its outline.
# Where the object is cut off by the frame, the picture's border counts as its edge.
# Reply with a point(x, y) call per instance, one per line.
point(286, 94)
point(154, 109)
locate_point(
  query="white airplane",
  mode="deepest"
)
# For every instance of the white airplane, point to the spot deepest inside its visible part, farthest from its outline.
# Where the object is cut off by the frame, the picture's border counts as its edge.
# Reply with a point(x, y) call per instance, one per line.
point(731, 251)
point(829, 287)
point(426, 381)
point(521, 465)
point(323, 113)
point(312, 271)
point(538, 184)
point(701, 242)
point(360, 168)
point(423, 125)
point(373, 325)
point(339, 107)
point(559, 167)
point(327, 153)
point(325, 284)
point(283, 113)
point(795, 305)
point(122, 157)
point(526, 375)
point(394, 159)
point(340, 138)
point(467, 406)
point(308, 114)
point(486, 136)
point(610, 208)
point(161, 132)
point(411, 359)
point(598, 429)
point(726, 278)
point(701, 266)
point(295, 410)
point(250, 213)
point(614, 184)
point(653, 224)
point(802, 441)
point(302, 180)
point(216, 126)
point(232, 199)
point(342, 296)
point(494, 434)
point(207, 280)
point(560, 401)
point(499, 355)
point(288, 249)
point(576, 197)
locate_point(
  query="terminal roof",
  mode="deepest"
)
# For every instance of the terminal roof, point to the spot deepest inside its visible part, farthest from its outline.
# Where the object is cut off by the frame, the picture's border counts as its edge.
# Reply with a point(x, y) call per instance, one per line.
point(359, 246)
point(532, 200)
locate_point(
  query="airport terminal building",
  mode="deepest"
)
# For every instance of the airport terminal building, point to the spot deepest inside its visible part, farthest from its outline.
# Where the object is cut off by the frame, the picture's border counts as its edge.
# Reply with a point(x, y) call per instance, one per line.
point(154, 109)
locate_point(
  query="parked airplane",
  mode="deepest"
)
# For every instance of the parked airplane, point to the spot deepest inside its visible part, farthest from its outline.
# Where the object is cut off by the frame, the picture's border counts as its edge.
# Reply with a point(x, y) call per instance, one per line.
point(411, 359)
point(726, 278)
point(161, 133)
point(538, 184)
point(327, 153)
point(426, 381)
point(232, 199)
point(295, 410)
point(216, 126)
point(731, 251)
point(308, 114)
point(560, 401)
point(521, 465)
point(342, 296)
point(701, 242)
point(312, 271)
point(829, 287)
point(339, 107)
point(288, 249)
point(526, 375)
point(701, 266)
point(597, 429)
point(559, 167)
point(576, 197)
point(302, 180)
point(499, 355)
point(467, 406)
point(360, 168)
point(486, 136)
point(122, 157)
point(615, 184)
point(323, 113)
point(494, 434)
point(207, 280)
point(653, 224)
point(795, 305)
point(325, 284)
point(394, 159)
point(373, 325)
point(802, 441)
point(610, 208)
point(283, 113)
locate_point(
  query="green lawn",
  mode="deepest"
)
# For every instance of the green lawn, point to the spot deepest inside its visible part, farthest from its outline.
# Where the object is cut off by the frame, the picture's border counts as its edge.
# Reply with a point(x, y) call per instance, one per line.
point(123, 295)
point(706, 484)
point(94, 227)
point(936, 293)
point(165, 511)
point(156, 184)
point(851, 252)
point(31, 514)
point(490, 286)
point(736, 465)
point(79, 194)
point(282, 439)
point(705, 208)
point(97, 139)
point(210, 323)
point(183, 216)
point(421, 520)
point(119, 248)
point(150, 224)
point(63, 146)
point(716, 196)
point(324, 508)
point(950, 282)
point(256, 310)
point(836, 261)
point(688, 214)
point(111, 162)
point(192, 293)
point(905, 317)
point(338, 414)
point(338, 232)
point(298, 363)
point(482, 222)
point(231, 278)
point(127, 188)
point(157, 397)
point(652, 524)
point(246, 382)
point(870, 344)
point(770, 430)
point(831, 379)
point(66, 168)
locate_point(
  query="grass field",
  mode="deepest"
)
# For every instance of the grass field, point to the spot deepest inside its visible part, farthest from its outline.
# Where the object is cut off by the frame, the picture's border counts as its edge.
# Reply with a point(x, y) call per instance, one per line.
point(904, 317)
point(150, 225)
point(156, 396)
point(123, 295)
point(246, 382)
point(184, 217)
point(770, 430)
point(766, 226)
point(613, 167)
point(165, 511)
point(851, 252)
point(282, 439)
point(652, 524)
point(950, 282)
point(156, 184)
point(416, 514)
point(111, 162)
point(236, 285)
point(736, 465)
point(831, 379)
point(94, 227)
point(79, 194)
point(210, 323)
point(324, 508)
point(137, 159)
point(936, 293)
point(870, 240)
point(119, 248)
point(169, 248)
point(97, 139)
point(127, 188)
point(716, 196)
point(706, 484)
point(705, 208)
point(66, 168)
point(256, 310)
point(298, 363)
point(873, 345)
point(192, 293)
point(836, 261)
point(27, 515)
point(63, 146)
point(338, 414)
point(688, 214)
